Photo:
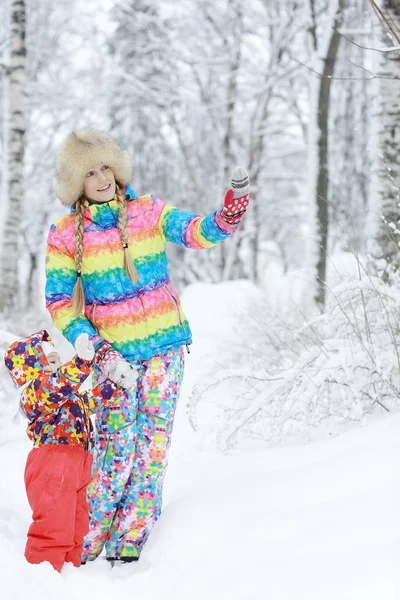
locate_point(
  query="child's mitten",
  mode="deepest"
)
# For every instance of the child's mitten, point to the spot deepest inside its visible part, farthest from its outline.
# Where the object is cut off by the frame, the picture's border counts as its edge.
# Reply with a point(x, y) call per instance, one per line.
point(84, 347)
point(237, 198)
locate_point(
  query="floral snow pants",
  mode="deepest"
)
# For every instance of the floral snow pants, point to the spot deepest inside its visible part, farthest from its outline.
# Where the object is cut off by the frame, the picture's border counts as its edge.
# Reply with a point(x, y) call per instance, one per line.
point(133, 439)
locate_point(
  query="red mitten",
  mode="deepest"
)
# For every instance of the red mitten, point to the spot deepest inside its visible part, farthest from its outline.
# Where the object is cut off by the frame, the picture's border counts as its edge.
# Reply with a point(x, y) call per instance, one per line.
point(237, 198)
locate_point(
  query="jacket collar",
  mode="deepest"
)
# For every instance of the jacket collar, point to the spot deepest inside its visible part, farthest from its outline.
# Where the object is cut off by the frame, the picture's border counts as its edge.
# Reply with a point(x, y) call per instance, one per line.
point(128, 191)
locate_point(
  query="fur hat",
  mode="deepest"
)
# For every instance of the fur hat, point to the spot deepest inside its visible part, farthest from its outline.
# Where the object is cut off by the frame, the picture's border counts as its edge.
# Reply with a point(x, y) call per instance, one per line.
point(82, 151)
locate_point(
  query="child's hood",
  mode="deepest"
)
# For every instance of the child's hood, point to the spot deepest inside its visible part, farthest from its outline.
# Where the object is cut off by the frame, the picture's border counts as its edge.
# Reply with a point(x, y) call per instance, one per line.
point(25, 358)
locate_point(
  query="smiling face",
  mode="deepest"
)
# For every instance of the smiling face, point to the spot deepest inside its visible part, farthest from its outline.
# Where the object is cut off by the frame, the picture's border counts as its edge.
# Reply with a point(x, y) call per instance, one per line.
point(99, 184)
point(54, 361)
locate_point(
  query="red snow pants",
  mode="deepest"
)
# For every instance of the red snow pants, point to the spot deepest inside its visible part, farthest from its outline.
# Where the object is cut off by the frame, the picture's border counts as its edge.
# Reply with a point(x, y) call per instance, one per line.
point(56, 478)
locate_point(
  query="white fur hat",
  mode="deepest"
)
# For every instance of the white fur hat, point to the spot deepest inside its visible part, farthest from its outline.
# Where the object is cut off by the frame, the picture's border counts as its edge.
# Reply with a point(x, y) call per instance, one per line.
point(81, 152)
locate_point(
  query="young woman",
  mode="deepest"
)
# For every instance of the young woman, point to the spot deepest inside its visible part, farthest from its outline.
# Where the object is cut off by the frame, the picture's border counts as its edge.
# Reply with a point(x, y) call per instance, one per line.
point(107, 276)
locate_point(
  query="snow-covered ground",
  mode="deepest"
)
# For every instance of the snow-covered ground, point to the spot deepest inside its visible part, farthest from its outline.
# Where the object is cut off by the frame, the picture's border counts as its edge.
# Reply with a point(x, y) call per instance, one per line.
point(299, 522)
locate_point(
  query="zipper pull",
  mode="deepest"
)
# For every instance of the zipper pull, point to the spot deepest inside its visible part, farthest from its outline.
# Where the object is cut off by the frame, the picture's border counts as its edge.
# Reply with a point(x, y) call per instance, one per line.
point(187, 349)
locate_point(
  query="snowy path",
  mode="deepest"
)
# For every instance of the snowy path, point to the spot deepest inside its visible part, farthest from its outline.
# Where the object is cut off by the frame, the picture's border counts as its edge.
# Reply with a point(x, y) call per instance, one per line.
point(315, 521)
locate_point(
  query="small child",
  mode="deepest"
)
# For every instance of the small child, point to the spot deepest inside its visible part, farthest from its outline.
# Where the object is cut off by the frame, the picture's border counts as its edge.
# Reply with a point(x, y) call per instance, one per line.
point(58, 468)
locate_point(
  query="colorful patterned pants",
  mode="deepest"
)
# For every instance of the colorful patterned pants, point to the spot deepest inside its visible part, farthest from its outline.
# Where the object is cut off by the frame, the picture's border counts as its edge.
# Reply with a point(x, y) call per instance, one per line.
point(133, 439)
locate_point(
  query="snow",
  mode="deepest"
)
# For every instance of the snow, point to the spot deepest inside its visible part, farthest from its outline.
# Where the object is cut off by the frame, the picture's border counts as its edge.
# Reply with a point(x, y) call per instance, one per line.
point(304, 521)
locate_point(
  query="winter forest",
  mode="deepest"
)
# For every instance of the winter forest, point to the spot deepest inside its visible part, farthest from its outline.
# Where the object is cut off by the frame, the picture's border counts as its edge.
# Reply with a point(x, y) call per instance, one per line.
point(295, 364)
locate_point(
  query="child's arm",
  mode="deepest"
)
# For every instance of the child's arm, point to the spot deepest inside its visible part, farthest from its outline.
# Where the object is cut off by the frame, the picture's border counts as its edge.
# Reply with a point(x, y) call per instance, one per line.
point(73, 373)
point(48, 392)
point(105, 393)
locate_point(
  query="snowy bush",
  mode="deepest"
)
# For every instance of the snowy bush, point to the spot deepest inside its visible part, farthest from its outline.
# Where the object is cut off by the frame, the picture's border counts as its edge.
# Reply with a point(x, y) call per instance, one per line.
point(289, 382)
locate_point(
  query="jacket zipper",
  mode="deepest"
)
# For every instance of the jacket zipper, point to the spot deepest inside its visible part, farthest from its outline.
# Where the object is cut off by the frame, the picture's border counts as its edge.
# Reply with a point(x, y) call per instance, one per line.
point(86, 418)
point(88, 426)
point(92, 318)
point(174, 300)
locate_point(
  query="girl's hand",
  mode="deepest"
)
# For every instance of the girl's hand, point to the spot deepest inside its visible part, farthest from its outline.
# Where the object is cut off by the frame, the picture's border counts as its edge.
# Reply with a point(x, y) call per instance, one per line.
point(120, 371)
point(237, 198)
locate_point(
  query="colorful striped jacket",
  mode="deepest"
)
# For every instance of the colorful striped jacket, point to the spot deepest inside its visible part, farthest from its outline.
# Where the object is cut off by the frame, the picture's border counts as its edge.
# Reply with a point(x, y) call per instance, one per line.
point(138, 320)
point(57, 412)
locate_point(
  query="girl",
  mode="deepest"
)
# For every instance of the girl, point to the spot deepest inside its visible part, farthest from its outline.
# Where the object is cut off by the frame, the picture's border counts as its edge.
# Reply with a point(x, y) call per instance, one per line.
point(58, 468)
point(107, 276)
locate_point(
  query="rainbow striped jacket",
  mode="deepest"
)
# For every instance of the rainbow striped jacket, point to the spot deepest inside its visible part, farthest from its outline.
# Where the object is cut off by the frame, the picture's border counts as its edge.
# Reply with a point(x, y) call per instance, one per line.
point(139, 320)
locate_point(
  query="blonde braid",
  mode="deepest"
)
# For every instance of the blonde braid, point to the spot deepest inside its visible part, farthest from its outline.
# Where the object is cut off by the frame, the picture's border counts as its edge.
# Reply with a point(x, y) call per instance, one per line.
point(123, 230)
point(78, 298)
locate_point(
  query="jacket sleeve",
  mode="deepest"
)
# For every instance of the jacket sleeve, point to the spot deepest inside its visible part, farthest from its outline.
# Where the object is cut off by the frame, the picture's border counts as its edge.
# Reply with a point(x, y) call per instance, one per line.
point(48, 392)
point(105, 393)
point(60, 283)
point(191, 230)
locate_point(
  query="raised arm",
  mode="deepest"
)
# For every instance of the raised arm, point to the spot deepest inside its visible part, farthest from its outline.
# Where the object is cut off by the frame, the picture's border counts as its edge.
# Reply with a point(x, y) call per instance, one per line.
point(48, 392)
point(194, 231)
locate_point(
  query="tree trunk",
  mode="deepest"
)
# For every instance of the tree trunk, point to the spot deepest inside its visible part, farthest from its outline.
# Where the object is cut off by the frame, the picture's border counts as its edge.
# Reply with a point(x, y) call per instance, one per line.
point(322, 140)
point(11, 233)
point(389, 141)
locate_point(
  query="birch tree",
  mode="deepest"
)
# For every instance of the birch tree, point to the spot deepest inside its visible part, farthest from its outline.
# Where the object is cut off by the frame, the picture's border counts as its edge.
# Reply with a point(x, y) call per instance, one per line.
point(4, 65)
point(388, 138)
point(10, 245)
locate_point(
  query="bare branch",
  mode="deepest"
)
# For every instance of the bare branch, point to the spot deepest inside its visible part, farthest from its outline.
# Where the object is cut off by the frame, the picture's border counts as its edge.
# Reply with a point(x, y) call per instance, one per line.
point(373, 76)
point(387, 23)
point(383, 50)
